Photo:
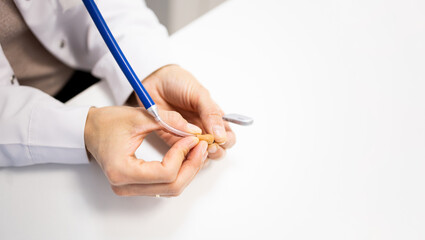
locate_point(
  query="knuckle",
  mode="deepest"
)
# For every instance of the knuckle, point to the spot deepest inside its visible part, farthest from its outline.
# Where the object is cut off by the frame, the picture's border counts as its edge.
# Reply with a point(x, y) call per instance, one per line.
point(216, 114)
point(118, 191)
point(215, 155)
point(219, 154)
point(231, 141)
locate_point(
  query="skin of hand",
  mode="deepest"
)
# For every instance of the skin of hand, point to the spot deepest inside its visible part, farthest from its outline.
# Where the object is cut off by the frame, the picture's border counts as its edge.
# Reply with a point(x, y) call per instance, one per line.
point(112, 135)
point(175, 89)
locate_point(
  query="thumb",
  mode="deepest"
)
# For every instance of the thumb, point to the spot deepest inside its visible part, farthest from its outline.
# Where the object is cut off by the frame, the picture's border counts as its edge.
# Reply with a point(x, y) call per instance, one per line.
point(176, 120)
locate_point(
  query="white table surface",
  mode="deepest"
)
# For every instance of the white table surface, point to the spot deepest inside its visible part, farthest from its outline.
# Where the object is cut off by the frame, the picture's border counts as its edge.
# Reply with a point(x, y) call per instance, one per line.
point(337, 150)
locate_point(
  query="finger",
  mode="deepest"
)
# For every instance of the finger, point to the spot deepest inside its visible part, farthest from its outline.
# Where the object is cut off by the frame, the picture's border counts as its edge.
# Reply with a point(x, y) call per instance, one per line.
point(215, 151)
point(139, 171)
point(169, 138)
point(175, 156)
point(231, 138)
point(187, 172)
point(146, 123)
point(176, 120)
point(190, 167)
point(213, 148)
point(211, 116)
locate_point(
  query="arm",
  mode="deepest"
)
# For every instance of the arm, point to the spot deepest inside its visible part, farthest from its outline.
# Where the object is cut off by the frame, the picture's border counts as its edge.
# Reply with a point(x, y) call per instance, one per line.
point(35, 128)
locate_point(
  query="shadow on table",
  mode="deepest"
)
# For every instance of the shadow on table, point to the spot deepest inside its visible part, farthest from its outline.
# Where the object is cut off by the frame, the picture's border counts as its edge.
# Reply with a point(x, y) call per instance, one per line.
point(88, 181)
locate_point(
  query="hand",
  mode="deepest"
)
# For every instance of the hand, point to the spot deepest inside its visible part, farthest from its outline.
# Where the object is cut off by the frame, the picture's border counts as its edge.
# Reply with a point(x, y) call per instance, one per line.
point(112, 135)
point(174, 89)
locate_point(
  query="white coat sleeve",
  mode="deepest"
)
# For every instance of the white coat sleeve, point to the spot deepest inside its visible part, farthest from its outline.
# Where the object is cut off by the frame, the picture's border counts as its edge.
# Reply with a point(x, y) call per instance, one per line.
point(36, 128)
point(141, 37)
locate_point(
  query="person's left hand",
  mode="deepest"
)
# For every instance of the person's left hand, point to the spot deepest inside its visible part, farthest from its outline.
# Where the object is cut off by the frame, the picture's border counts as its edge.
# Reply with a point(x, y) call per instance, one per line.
point(174, 89)
point(112, 135)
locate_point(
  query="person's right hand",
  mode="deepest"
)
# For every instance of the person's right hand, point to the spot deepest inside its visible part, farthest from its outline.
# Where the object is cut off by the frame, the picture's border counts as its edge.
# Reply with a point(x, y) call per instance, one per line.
point(175, 89)
point(112, 135)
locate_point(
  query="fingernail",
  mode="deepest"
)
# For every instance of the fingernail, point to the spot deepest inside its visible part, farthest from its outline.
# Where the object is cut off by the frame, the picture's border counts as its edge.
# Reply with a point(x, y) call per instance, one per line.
point(193, 128)
point(212, 148)
point(219, 133)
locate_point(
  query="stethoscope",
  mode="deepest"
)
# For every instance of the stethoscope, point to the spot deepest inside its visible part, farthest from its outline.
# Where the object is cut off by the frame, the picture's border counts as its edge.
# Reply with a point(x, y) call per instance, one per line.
point(131, 76)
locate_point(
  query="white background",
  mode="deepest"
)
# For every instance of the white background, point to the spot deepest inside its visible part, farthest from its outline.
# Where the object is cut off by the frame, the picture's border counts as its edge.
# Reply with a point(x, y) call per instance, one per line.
point(336, 89)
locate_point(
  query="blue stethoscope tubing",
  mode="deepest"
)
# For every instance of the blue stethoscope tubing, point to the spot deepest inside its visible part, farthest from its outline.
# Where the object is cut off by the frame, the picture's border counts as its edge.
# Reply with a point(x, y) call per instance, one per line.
point(126, 68)
point(131, 76)
point(115, 49)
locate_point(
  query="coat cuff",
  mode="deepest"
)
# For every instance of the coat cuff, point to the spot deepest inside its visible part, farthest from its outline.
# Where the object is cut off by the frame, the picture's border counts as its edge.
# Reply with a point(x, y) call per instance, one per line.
point(68, 133)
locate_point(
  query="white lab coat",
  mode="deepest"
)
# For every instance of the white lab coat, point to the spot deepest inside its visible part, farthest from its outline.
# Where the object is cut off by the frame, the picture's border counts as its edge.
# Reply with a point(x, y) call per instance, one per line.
point(34, 127)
